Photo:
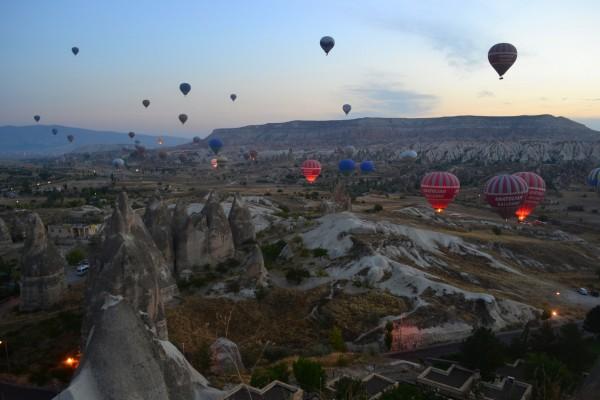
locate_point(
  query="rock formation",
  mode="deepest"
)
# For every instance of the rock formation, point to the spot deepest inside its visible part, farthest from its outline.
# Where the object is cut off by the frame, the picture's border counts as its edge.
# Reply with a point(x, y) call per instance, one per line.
point(240, 221)
point(220, 239)
point(158, 221)
point(253, 266)
point(5, 236)
point(128, 264)
point(225, 357)
point(42, 270)
point(340, 201)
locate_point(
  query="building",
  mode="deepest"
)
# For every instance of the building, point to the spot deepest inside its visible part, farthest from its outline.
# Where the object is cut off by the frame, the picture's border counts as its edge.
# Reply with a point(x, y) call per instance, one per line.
point(506, 389)
point(275, 390)
point(375, 385)
point(455, 382)
point(73, 231)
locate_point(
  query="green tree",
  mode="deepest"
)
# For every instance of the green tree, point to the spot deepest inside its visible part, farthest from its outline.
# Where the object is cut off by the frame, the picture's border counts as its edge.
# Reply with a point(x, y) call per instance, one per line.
point(263, 376)
point(592, 321)
point(309, 374)
point(319, 252)
point(550, 378)
point(389, 338)
point(544, 339)
point(483, 351)
point(350, 389)
point(571, 348)
point(336, 340)
point(75, 256)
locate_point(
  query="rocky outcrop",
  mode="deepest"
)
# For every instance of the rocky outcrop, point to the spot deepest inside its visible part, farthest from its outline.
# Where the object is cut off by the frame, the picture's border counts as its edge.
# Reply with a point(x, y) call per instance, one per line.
point(341, 198)
point(42, 269)
point(5, 236)
point(158, 220)
point(129, 265)
point(220, 239)
point(240, 221)
point(225, 357)
point(253, 266)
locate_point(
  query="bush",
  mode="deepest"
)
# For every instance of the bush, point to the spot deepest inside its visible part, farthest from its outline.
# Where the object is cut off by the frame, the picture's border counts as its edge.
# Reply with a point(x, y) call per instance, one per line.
point(319, 252)
point(336, 340)
point(75, 256)
point(377, 208)
point(309, 374)
point(497, 230)
point(575, 207)
point(233, 286)
point(263, 376)
point(350, 389)
point(296, 275)
point(271, 251)
point(483, 351)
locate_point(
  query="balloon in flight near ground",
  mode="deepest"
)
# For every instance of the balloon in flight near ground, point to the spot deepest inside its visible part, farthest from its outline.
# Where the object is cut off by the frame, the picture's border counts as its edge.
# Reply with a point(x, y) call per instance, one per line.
point(183, 118)
point(253, 155)
point(70, 138)
point(502, 56)
point(327, 44)
point(118, 163)
point(367, 166)
point(346, 108)
point(593, 178)
point(185, 88)
point(505, 193)
point(215, 145)
point(131, 135)
point(145, 103)
point(196, 139)
point(536, 189)
point(233, 96)
point(75, 50)
point(408, 154)
point(311, 169)
point(440, 189)
point(36, 118)
point(160, 140)
point(347, 166)
point(54, 131)
point(214, 163)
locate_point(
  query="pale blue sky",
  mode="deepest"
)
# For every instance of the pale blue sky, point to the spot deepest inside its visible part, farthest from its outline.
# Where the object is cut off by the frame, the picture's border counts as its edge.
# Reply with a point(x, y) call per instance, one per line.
point(392, 58)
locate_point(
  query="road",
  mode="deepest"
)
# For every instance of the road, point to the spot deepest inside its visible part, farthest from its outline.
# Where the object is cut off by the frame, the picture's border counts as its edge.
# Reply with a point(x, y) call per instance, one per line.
point(13, 392)
point(590, 390)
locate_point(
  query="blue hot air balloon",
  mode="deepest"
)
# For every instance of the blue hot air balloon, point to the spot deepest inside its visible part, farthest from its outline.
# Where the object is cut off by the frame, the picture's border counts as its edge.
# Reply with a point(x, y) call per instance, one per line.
point(593, 178)
point(367, 166)
point(347, 166)
point(75, 50)
point(185, 88)
point(215, 145)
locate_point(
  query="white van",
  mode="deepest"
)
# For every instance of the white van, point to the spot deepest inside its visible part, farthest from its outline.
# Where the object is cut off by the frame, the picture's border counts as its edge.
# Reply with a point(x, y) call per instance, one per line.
point(82, 269)
point(582, 291)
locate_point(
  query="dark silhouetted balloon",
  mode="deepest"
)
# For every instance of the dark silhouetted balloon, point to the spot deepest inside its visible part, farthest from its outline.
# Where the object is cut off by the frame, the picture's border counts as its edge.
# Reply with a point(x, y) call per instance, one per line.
point(118, 163)
point(160, 140)
point(502, 56)
point(75, 50)
point(185, 88)
point(54, 131)
point(534, 196)
point(346, 166)
point(593, 178)
point(36, 118)
point(346, 108)
point(349, 150)
point(233, 96)
point(215, 145)
point(311, 169)
point(183, 118)
point(367, 166)
point(440, 189)
point(196, 139)
point(505, 193)
point(146, 103)
point(70, 138)
point(327, 44)
point(131, 135)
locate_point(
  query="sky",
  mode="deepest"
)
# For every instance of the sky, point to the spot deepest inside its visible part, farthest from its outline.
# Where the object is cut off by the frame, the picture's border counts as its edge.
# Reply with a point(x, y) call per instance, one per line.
point(391, 59)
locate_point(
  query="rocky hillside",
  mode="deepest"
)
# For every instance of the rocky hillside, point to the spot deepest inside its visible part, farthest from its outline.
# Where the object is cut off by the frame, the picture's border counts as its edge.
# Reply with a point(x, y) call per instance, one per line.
point(405, 131)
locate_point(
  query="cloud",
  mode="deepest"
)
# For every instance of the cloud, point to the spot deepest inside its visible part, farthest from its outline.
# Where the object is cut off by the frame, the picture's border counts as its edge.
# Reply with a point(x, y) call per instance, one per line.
point(380, 99)
point(485, 93)
point(592, 99)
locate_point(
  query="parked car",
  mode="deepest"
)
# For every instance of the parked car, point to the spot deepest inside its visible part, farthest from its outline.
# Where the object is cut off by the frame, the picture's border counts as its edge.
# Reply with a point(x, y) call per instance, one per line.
point(582, 291)
point(595, 293)
point(82, 269)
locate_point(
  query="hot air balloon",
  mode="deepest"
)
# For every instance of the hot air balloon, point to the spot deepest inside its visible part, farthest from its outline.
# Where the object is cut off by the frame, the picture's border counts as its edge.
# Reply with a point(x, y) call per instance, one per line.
point(185, 88)
point(346, 108)
point(253, 155)
point(75, 50)
point(54, 131)
point(215, 145)
point(536, 189)
point(346, 166)
point(349, 150)
point(70, 138)
point(36, 118)
point(140, 150)
point(593, 178)
point(183, 118)
point(327, 44)
point(146, 103)
point(214, 163)
point(118, 163)
point(311, 169)
point(196, 139)
point(367, 166)
point(160, 140)
point(440, 189)
point(408, 155)
point(233, 96)
point(505, 193)
point(502, 56)
point(131, 135)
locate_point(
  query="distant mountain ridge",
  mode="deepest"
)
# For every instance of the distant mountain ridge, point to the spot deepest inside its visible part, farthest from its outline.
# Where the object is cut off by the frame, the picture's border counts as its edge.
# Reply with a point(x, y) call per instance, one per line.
point(386, 131)
point(38, 140)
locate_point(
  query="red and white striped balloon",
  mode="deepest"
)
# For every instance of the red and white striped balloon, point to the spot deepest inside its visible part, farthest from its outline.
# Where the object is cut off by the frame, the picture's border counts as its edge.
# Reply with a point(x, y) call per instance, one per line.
point(505, 193)
point(440, 189)
point(311, 169)
point(535, 193)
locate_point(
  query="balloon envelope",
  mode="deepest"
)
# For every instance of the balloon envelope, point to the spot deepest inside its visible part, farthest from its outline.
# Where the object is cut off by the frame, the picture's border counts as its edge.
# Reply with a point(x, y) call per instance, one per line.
point(54, 131)
point(408, 154)
point(70, 138)
point(536, 189)
point(349, 150)
point(215, 145)
point(346, 166)
point(162, 155)
point(311, 169)
point(183, 118)
point(346, 108)
point(36, 118)
point(502, 56)
point(118, 163)
point(367, 166)
point(185, 88)
point(440, 189)
point(253, 155)
point(327, 43)
point(233, 96)
point(196, 139)
point(75, 50)
point(131, 135)
point(593, 178)
point(214, 163)
point(146, 103)
point(505, 193)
